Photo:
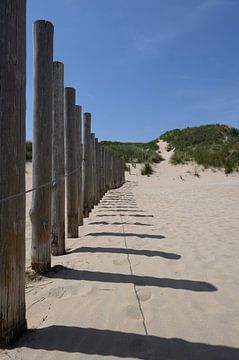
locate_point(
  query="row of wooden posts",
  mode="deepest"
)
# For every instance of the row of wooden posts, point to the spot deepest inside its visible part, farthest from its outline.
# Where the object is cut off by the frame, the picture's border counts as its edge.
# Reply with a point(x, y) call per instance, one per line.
point(61, 160)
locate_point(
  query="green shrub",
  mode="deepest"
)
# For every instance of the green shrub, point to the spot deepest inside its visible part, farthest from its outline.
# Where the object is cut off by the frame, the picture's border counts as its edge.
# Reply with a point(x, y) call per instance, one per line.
point(147, 169)
point(228, 166)
point(179, 157)
point(156, 158)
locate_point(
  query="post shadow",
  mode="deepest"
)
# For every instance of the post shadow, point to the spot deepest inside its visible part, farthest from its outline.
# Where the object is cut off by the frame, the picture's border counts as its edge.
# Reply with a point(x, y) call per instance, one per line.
point(132, 215)
point(117, 223)
point(149, 253)
point(141, 236)
point(115, 208)
point(62, 272)
point(121, 210)
point(71, 339)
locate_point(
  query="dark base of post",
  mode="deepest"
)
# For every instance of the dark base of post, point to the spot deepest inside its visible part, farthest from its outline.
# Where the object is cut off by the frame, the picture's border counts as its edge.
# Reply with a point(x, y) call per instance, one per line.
point(41, 268)
point(13, 334)
point(86, 213)
point(72, 230)
point(55, 250)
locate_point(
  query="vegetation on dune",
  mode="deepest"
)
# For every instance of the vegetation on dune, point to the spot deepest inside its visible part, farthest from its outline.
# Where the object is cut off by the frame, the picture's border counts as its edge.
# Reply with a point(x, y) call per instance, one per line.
point(131, 152)
point(147, 169)
point(208, 145)
point(134, 152)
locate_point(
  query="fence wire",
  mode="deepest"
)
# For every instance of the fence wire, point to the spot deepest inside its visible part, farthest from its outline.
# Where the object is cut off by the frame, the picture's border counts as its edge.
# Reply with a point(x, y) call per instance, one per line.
point(52, 184)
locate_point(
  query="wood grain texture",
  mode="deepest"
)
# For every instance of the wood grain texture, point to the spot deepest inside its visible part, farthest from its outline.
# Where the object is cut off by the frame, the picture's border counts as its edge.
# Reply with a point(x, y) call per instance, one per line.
point(12, 168)
point(87, 163)
point(78, 112)
point(71, 163)
point(40, 212)
point(58, 164)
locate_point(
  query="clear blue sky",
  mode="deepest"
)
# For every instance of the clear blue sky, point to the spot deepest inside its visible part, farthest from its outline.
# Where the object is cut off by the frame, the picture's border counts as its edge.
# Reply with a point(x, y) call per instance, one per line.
point(142, 67)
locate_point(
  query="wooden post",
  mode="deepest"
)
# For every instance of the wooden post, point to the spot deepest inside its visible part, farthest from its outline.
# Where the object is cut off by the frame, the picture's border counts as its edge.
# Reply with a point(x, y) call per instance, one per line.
point(42, 145)
point(93, 172)
point(100, 173)
point(87, 164)
point(104, 171)
point(79, 162)
point(71, 163)
point(107, 166)
point(97, 171)
point(12, 168)
point(58, 165)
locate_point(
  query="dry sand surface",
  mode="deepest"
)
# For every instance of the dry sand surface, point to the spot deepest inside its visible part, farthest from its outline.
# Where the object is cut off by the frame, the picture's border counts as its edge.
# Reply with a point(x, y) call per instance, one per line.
point(154, 275)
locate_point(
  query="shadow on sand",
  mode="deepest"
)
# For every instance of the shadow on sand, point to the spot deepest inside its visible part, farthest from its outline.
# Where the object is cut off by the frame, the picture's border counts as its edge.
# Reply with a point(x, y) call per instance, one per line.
point(62, 272)
point(141, 236)
point(70, 339)
point(133, 215)
point(149, 253)
point(117, 223)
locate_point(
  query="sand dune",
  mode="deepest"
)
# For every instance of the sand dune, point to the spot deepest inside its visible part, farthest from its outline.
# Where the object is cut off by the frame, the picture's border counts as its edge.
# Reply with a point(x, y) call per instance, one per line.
point(154, 274)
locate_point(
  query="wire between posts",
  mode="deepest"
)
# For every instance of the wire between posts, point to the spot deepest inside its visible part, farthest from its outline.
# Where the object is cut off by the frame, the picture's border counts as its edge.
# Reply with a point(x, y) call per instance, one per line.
point(52, 184)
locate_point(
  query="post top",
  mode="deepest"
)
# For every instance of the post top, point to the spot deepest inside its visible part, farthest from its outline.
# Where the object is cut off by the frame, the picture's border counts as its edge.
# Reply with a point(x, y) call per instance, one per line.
point(58, 63)
point(42, 22)
point(70, 89)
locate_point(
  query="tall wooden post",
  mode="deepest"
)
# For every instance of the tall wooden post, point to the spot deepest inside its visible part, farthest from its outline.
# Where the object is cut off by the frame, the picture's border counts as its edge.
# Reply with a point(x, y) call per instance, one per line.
point(12, 168)
point(97, 171)
point(58, 165)
point(42, 145)
point(103, 170)
point(93, 172)
point(107, 166)
point(79, 162)
point(100, 172)
point(87, 164)
point(71, 163)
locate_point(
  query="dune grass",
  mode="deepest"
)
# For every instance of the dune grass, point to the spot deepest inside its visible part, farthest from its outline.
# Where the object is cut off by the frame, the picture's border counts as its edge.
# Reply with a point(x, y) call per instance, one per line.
point(212, 146)
point(134, 152)
point(147, 169)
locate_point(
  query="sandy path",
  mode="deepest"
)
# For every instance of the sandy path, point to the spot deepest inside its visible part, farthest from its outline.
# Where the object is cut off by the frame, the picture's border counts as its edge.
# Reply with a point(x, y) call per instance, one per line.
point(154, 275)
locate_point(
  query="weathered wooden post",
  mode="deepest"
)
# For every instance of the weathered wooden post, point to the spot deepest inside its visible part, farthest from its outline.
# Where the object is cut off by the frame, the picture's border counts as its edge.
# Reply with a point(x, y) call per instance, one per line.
point(71, 163)
point(104, 171)
point(12, 168)
point(93, 171)
point(107, 167)
point(87, 164)
point(97, 171)
point(42, 145)
point(58, 165)
point(100, 172)
point(78, 111)
point(111, 169)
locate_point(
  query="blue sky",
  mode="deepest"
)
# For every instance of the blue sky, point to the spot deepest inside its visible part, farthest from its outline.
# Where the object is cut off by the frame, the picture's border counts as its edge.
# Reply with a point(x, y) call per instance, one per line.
point(142, 67)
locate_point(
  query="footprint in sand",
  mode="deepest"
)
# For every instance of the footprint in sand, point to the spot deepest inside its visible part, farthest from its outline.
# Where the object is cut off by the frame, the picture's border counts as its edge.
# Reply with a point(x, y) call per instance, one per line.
point(144, 294)
point(57, 292)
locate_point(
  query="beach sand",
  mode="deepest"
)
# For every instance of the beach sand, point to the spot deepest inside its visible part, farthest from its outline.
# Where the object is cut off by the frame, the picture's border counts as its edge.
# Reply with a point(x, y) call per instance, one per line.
point(154, 274)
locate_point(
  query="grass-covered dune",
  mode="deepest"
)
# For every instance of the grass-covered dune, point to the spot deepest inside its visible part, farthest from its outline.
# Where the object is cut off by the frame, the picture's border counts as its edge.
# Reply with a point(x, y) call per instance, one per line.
point(208, 145)
point(131, 152)
point(134, 152)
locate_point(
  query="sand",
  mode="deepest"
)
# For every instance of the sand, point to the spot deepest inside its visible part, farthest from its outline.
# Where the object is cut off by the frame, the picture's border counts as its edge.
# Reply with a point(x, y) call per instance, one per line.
point(154, 274)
